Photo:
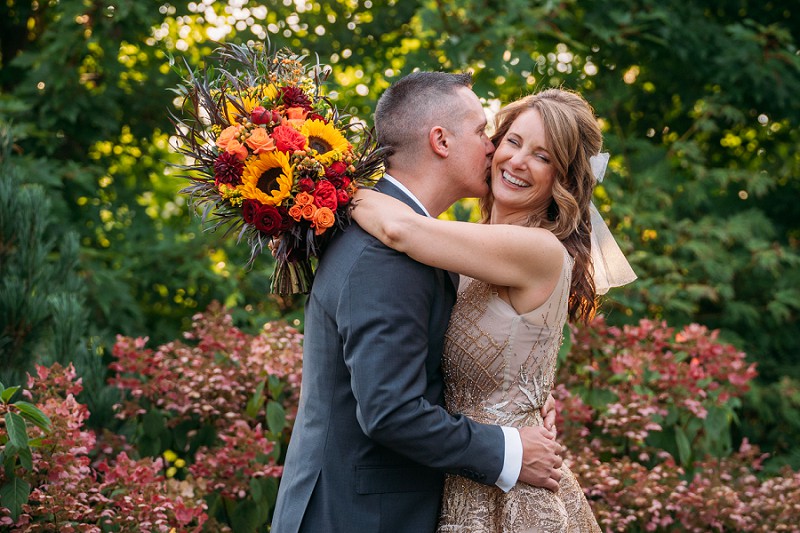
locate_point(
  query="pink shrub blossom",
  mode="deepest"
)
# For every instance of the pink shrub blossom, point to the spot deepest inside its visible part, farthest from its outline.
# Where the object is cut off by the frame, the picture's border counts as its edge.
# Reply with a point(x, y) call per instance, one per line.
point(624, 391)
point(644, 411)
point(70, 494)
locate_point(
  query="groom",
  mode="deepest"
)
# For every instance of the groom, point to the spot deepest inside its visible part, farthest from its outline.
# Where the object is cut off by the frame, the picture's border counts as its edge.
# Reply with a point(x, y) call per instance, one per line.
point(372, 440)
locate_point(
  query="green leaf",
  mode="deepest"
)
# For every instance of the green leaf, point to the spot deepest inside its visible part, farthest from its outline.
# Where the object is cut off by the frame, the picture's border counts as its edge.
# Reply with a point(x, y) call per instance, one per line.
point(153, 424)
point(14, 494)
point(256, 401)
point(35, 443)
point(245, 518)
point(26, 458)
point(276, 417)
point(17, 431)
point(6, 395)
point(268, 493)
point(275, 386)
point(149, 446)
point(34, 414)
point(684, 446)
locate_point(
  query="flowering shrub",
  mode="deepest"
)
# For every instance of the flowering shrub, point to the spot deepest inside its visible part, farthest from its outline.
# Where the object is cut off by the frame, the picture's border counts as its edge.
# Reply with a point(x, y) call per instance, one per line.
point(219, 406)
point(69, 493)
point(213, 414)
point(646, 412)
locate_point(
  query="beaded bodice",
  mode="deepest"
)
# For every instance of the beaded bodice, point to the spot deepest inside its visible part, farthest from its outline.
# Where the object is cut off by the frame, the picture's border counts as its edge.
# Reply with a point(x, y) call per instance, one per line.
point(499, 365)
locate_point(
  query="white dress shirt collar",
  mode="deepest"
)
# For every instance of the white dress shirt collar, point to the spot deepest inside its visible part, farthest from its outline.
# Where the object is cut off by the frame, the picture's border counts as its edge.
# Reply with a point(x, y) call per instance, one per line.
point(403, 188)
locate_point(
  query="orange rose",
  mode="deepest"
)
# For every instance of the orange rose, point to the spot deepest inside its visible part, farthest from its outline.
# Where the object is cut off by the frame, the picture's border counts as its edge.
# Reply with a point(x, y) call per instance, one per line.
point(303, 198)
point(296, 212)
point(228, 134)
point(238, 149)
point(323, 219)
point(308, 211)
point(260, 141)
point(296, 113)
point(295, 116)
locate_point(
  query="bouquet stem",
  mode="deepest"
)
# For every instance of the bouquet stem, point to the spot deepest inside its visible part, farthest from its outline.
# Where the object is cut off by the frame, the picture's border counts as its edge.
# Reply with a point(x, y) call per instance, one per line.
point(292, 277)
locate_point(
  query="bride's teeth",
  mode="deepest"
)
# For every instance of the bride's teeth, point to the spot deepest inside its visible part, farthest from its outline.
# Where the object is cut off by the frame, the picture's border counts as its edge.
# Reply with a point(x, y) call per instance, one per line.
point(514, 181)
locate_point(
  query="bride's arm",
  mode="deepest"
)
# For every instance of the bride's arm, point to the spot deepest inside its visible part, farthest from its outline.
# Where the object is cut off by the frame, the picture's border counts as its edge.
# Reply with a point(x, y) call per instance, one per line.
point(505, 255)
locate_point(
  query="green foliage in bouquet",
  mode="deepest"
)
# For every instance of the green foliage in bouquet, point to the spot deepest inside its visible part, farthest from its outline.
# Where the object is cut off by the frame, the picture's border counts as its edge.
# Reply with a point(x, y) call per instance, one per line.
point(272, 159)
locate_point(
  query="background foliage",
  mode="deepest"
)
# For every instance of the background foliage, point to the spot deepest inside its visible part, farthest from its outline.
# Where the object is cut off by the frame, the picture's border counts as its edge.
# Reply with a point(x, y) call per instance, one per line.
point(696, 103)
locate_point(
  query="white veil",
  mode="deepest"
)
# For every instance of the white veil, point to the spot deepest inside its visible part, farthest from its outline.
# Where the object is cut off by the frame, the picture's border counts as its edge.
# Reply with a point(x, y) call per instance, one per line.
point(611, 269)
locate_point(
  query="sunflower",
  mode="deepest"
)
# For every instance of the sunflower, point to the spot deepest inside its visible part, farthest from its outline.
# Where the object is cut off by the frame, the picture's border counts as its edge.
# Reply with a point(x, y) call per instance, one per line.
point(267, 178)
point(248, 99)
point(326, 140)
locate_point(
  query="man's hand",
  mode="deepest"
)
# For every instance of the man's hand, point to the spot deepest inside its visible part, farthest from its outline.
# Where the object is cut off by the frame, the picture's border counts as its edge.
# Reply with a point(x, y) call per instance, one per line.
point(548, 412)
point(541, 458)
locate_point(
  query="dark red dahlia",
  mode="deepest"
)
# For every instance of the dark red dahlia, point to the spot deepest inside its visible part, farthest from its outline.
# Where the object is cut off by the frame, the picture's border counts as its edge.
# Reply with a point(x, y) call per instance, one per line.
point(228, 169)
point(295, 97)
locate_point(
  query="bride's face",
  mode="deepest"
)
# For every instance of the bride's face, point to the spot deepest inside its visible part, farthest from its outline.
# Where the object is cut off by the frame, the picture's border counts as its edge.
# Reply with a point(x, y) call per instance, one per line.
point(522, 169)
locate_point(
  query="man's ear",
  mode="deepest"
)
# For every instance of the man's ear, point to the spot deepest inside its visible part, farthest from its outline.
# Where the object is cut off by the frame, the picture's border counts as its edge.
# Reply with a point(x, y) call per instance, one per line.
point(439, 139)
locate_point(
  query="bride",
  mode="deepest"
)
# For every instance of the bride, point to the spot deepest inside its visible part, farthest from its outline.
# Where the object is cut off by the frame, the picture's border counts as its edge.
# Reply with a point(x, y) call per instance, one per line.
point(532, 265)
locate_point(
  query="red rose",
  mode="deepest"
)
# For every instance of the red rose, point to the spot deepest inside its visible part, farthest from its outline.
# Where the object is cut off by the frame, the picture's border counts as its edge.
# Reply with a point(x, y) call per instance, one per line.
point(288, 139)
point(316, 116)
point(305, 184)
point(337, 168)
point(325, 195)
point(268, 220)
point(342, 197)
point(250, 210)
point(286, 220)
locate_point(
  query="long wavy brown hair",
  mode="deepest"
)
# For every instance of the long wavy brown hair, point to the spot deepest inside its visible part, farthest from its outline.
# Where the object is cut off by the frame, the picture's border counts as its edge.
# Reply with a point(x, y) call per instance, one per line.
point(573, 136)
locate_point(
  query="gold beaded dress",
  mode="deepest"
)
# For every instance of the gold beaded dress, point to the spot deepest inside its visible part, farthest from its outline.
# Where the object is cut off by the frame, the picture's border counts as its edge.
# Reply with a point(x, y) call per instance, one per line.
point(499, 367)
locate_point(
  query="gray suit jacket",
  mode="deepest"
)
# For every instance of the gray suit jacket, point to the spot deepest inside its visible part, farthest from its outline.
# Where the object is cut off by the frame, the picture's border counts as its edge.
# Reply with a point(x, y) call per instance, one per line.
point(372, 442)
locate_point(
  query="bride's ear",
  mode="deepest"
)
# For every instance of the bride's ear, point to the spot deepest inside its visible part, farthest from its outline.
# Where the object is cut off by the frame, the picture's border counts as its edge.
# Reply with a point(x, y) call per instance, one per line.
point(438, 138)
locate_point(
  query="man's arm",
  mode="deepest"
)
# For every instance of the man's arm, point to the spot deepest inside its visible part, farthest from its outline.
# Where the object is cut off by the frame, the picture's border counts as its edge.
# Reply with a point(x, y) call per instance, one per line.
point(384, 318)
point(384, 315)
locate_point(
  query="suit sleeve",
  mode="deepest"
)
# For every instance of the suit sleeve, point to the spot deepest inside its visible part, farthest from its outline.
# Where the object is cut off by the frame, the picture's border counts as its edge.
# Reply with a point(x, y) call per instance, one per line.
point(384, 314)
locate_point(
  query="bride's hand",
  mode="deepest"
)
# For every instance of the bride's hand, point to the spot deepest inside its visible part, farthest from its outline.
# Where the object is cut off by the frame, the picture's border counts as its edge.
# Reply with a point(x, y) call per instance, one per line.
point(548, 412)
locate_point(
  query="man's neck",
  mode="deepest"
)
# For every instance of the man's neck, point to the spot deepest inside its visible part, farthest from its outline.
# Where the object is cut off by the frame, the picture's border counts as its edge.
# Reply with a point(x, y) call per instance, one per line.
point(426, 189)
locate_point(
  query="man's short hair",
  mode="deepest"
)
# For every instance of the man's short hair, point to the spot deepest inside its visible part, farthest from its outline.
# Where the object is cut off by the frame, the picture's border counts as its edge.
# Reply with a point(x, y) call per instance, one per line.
point(413, 104)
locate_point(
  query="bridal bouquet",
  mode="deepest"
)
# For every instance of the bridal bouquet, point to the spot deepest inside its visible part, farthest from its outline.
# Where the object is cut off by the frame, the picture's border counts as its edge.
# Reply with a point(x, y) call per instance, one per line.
point(272, 159)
